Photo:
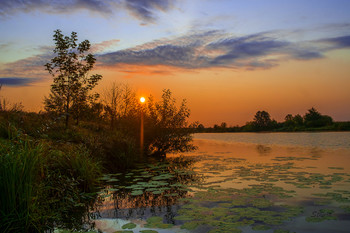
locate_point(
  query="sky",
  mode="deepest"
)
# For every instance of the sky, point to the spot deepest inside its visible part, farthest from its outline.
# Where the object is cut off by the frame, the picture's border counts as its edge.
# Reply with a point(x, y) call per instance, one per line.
point(228, 59)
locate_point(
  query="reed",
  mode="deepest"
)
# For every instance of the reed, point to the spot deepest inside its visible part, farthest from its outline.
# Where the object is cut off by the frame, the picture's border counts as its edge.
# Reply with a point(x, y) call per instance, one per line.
point(18, 176)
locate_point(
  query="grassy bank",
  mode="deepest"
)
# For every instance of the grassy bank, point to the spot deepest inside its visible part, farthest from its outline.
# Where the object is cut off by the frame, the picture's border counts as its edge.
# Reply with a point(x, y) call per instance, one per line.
point(42, 183)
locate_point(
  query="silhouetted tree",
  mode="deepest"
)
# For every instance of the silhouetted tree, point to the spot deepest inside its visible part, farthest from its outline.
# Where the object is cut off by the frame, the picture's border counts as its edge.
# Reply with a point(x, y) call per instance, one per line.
point(71, 84)
point(166, 126)
point(298, 120)
point(223, 125)
point(288, 120)
point(293, 121)
point(112, 99)
point(262, 120)
point(315, 119)
point(312, 115)
point(200, 127)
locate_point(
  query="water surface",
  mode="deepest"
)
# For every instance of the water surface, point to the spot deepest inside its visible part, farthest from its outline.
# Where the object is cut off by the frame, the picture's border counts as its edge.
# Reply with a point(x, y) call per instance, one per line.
point(330, 140)
point(236, 182)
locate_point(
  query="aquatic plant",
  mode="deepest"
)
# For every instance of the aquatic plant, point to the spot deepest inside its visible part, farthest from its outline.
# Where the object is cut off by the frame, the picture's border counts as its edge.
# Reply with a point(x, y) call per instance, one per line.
point(129, 226)
point(157, 222)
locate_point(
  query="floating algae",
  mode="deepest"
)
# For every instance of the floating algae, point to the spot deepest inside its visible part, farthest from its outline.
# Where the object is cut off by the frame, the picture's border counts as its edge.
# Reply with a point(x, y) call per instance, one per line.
point(227, 209)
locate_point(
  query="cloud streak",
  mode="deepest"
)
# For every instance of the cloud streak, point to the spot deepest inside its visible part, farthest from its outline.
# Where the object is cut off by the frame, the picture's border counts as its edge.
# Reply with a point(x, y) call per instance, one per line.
point(216, 49)
point(210, 49)
point(18, 81)
point(338, 42)
point(144, 10)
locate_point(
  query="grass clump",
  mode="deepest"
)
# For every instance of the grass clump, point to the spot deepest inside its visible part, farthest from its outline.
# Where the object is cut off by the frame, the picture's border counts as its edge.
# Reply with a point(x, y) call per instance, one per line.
point(19, 162)
point(41, 185)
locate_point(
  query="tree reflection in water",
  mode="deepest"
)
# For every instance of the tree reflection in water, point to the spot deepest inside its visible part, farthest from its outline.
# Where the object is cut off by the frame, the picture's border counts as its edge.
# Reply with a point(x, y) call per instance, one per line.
point(152, 189)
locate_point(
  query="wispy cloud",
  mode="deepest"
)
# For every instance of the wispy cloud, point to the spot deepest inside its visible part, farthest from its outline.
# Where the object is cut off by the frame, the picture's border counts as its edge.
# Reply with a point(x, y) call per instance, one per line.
point(338, 42)
point(5, 46)
point(18, 81)
point(209, 49)
point(9, 7)
point(101, 47)
point(31, 66)
point(145, 10)
point(218, 49)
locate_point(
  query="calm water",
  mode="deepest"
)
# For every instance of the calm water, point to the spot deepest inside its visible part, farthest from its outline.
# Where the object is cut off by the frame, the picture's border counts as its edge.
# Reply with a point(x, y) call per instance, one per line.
point(331, 140)
point(235, 182)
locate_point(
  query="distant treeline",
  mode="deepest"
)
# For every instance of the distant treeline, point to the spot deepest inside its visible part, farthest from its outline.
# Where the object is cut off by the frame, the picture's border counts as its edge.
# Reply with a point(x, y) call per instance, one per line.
point(311, 121)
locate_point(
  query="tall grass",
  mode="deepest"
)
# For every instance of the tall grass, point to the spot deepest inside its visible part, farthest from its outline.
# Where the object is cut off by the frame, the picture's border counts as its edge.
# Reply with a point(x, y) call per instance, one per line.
point(76, 162)
point(18, 176)
point(40, 185)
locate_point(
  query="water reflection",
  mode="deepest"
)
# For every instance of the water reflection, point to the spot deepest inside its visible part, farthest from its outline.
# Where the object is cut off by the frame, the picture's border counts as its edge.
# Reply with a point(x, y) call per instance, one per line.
point(263, 150)
point(150, 190)
point(232, 188)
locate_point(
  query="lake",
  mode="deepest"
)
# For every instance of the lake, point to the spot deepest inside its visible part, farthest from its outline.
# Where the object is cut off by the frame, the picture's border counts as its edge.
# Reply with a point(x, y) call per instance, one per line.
point(235, 182)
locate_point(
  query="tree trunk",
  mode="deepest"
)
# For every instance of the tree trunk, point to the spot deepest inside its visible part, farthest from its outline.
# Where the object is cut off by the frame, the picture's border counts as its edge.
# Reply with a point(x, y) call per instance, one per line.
point(67, 111)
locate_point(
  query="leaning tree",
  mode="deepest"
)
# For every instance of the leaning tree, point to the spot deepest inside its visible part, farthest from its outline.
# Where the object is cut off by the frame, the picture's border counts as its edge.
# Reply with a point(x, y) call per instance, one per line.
point(70, 91)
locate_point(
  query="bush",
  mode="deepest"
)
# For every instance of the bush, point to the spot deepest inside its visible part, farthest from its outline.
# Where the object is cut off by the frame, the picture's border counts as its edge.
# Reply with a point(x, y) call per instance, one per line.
point(76, 162)
point(116, 150)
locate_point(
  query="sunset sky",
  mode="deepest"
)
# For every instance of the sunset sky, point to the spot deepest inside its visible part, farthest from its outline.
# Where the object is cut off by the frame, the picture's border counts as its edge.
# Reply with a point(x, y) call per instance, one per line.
point(228, 58)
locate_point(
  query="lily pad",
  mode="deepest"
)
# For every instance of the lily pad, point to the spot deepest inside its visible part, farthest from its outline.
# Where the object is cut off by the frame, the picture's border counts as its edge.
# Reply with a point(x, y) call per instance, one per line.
point(157, 222)
point(190, 225)
point(281, 231)
point(136, 192)
point(129, 226)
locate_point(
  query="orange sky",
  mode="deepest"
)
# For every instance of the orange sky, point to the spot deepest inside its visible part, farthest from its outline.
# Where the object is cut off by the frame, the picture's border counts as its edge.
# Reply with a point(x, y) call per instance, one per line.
point(229, 59)
point(232, 96)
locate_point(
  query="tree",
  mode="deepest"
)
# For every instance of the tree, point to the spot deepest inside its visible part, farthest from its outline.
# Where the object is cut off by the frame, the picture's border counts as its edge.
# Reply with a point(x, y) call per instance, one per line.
point(223, 125)
point(312, 115)
point(298, 120)
point(112, 102)
point(262, 120)
point(315, 119)
point(121, 107)
point(71, 84)
point(293, 121)
point(166, 126)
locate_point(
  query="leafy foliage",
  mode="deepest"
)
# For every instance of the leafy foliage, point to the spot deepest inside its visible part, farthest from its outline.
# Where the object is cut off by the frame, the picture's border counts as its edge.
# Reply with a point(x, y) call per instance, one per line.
point(71, 84)
point(315, 119)
point(167, 126)
point(262, 121)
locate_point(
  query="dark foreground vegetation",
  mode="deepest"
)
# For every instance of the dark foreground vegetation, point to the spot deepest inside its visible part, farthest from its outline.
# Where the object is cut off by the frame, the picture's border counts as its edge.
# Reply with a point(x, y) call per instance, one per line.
point(51, 162)
point(262, 122)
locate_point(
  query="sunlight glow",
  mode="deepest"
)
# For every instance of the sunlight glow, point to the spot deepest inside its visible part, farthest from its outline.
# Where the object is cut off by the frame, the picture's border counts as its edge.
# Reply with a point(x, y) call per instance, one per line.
point(142, 99)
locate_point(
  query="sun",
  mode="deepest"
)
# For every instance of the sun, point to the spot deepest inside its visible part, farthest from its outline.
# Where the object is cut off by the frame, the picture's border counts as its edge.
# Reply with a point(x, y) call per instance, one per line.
point(142, 99)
